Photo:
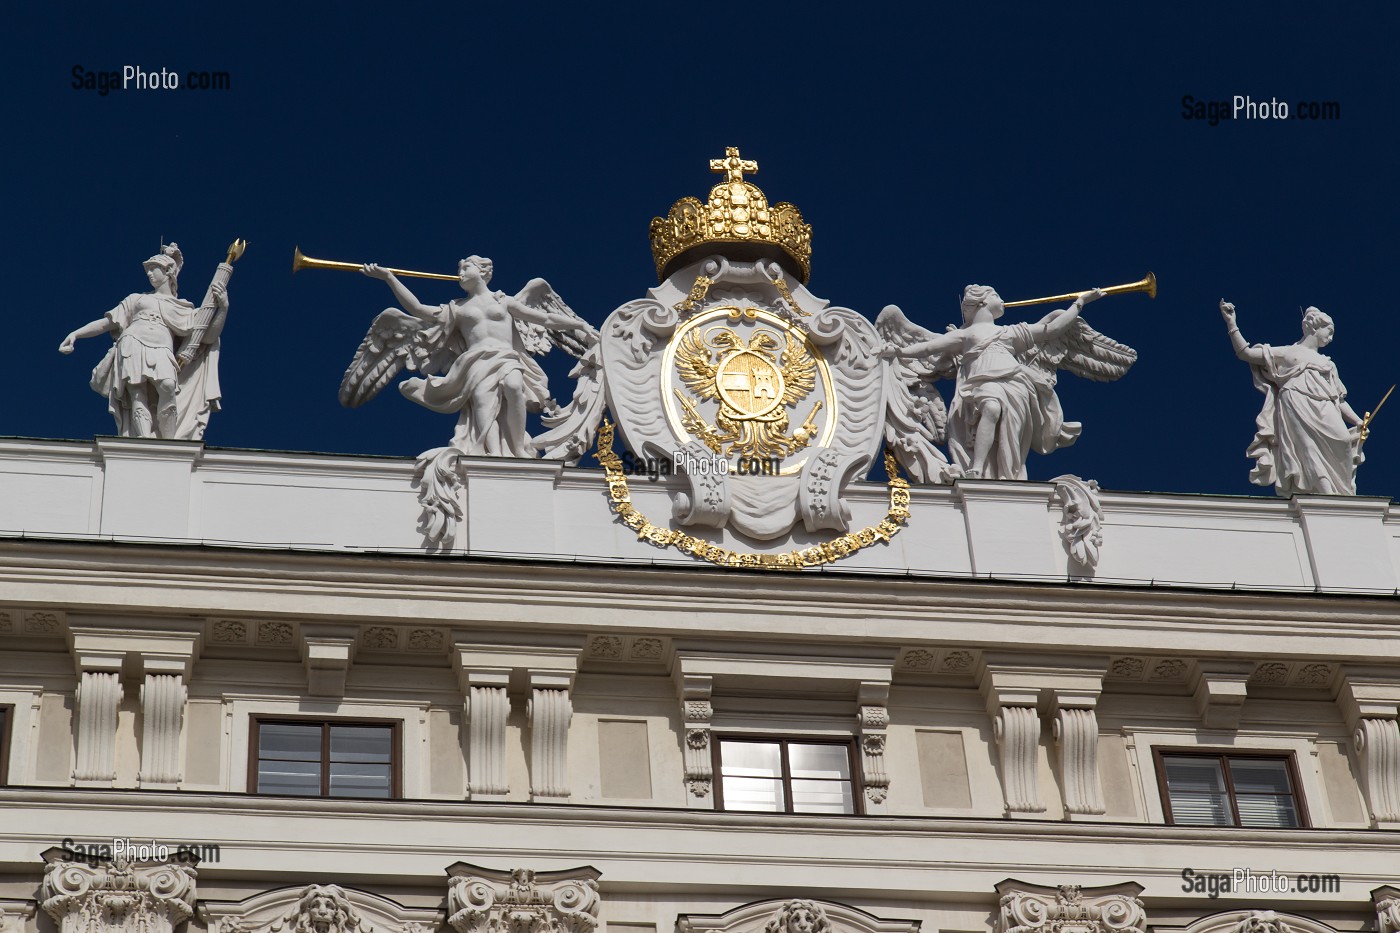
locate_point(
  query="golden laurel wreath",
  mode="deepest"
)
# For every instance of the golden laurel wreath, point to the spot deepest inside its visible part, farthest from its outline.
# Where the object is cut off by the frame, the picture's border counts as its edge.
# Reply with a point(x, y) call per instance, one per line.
point(824, 553)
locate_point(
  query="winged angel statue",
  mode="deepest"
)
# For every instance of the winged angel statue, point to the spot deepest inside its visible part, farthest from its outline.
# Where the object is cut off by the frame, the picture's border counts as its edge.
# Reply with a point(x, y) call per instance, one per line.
point(1004, 404)
point(478, 356)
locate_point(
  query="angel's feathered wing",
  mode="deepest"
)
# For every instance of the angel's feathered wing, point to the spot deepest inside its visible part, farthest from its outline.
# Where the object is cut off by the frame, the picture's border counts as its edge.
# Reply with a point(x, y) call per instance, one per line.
point(537, 338)
point(900, 332)
point(396, 341)
point(1086, 353)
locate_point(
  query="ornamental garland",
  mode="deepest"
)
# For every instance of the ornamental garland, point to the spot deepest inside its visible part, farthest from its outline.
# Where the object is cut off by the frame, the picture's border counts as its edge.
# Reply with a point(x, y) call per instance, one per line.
point(814, 556)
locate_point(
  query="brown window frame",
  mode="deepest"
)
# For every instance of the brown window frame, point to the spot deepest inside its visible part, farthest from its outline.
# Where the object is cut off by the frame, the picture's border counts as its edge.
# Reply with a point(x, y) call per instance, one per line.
point(1289, 758)
point(395, 754)
point(7, 713)
point(783, 741)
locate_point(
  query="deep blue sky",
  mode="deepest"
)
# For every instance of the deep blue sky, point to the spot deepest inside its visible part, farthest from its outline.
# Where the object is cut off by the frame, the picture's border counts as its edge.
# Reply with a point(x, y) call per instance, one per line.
point(1036, 148)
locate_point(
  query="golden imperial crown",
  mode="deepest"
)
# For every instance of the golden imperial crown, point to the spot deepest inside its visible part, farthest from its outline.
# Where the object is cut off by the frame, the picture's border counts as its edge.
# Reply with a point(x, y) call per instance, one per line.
point(738, 213)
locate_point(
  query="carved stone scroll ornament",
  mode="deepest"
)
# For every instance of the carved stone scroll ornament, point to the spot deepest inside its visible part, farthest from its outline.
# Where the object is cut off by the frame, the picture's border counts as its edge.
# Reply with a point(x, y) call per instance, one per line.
point(487, 900)
point(696, 713)
point(1077, 734)
point(316, 908)
point(1017, 731)
point(874, 719)
point(1377, 743)
point(1034, 908)
point(1387, 903)
point(116, 896)
point(1081, 522)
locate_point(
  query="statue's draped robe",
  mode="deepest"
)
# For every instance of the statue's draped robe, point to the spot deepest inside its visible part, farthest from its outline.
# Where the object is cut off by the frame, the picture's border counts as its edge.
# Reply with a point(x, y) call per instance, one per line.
point(143, 352)
point(1300, 435)
point(474, 385)
point(1031, 418)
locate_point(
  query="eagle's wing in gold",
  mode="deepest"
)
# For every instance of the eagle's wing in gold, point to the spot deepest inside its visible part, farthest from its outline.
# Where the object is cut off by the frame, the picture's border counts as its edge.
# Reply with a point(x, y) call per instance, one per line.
point(799, 371)
point(694, 362)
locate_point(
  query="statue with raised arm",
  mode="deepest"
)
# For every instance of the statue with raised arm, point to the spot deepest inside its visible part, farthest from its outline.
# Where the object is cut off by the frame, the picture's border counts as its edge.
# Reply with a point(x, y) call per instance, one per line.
point(151, 390)
point(1004, 404)
point(1302, 442)
point(478, 356)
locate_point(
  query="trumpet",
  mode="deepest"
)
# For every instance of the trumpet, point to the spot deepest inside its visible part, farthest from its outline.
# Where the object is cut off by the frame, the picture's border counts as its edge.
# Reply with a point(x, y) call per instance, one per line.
point(300, 262)
point(1147, 283)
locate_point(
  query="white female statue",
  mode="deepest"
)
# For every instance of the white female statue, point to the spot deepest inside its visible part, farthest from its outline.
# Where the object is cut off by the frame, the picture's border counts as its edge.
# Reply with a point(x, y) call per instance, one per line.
point(1005, 404)
point(1301, 443)
point(149, 392)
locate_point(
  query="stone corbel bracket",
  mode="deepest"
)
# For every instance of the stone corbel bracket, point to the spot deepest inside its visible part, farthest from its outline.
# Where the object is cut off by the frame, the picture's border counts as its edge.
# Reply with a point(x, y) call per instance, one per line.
point(487, 900)
point(1038, 908)
point(328, 651)
point(793, 916)
point(873, 721)
point(118, 895)
point(697, 711)
point(1067, 688)
point(1370, 701)
point(1219, 689)
point(317, 908)
point(162, 655)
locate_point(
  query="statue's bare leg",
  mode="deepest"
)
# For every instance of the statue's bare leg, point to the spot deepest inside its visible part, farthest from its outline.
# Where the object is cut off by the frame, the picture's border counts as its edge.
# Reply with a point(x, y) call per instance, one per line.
point(488, 435)
point(143, 423)
point(988, 416)
point(513, 413)
point(167, 415)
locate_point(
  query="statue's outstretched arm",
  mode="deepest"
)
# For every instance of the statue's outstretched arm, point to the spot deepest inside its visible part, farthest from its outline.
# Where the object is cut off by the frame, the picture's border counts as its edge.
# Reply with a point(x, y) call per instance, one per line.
point(406, 299)
point(1252, 355)
point(99, 326)
point(934, 346)
point(1056, 323)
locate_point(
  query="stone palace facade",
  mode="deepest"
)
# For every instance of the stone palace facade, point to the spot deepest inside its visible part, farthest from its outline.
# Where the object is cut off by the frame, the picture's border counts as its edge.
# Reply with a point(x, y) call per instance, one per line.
point(555, 728)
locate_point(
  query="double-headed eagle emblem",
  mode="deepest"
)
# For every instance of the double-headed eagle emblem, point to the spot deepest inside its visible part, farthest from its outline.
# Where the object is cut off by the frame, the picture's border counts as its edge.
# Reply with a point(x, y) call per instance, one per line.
point(755, 383)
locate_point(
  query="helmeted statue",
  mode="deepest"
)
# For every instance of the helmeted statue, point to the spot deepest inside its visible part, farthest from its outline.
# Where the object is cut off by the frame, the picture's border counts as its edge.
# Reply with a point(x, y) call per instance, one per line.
point(1004, 405)
point(151, 391)
point(1302, 442)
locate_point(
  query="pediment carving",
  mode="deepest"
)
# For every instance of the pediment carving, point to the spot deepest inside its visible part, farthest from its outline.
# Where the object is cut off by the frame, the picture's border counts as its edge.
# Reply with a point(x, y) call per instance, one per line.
point(317, 908)
point(1252, 921)
point(797, 915)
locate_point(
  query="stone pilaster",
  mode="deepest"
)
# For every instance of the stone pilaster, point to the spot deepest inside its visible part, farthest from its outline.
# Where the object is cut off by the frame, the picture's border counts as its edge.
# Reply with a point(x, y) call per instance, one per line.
point(116, 896)
point(697, 712)
point(486, 900)
point(1037, 908)
point(873, 719)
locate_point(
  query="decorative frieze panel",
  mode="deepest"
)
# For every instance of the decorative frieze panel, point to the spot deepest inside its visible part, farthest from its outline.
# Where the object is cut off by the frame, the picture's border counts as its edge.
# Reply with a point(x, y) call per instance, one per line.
point(792, 916)
point(952, 662)
point(116, 896)
point(1069, 908)
point(487, 900)
point(636, 649)
point(317, 908)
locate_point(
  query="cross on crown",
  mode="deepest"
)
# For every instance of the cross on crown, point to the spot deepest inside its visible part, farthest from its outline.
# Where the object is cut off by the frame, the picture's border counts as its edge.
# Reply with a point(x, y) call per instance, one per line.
point(732, 165)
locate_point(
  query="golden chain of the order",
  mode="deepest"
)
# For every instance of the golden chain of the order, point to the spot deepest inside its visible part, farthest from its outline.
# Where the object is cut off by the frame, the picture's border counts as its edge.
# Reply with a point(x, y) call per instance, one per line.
point(824, 553)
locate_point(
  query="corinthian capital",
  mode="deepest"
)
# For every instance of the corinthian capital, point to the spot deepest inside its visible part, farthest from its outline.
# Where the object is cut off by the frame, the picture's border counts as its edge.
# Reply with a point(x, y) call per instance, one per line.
point(117, 895)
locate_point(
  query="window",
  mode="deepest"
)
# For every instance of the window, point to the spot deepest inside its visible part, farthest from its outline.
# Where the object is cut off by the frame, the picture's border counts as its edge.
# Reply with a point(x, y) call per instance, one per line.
point(784, 776)
point(1214, 789)
point(308, 758)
